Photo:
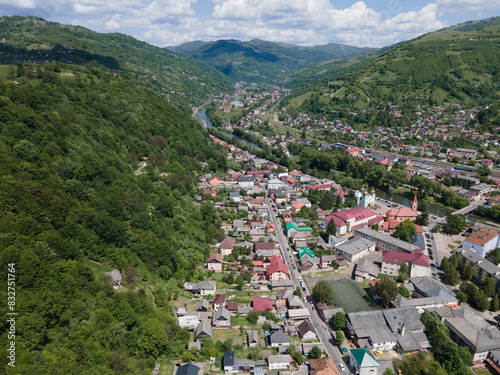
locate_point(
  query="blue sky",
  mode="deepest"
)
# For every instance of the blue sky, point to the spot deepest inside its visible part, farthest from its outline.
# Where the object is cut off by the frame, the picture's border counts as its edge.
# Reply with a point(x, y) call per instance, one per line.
point(368, 23)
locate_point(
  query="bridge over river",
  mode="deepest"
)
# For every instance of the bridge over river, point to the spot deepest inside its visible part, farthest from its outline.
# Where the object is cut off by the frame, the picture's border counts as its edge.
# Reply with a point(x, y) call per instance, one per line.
point(469, 208)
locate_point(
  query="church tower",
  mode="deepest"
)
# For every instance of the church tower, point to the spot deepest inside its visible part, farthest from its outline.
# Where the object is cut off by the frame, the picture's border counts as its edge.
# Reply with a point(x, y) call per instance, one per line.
point(414, 203)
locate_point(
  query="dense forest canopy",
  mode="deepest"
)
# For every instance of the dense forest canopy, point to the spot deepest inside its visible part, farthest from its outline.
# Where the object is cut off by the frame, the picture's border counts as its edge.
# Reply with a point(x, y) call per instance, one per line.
point(70, 140)
point(181, 78)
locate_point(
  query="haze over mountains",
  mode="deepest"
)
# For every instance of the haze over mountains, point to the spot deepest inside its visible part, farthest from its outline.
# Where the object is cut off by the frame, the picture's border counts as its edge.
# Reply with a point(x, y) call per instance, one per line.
point(262, 61)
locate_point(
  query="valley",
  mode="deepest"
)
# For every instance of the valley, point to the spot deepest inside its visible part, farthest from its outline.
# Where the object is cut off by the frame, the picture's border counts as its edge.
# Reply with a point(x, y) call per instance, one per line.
point(230, 206)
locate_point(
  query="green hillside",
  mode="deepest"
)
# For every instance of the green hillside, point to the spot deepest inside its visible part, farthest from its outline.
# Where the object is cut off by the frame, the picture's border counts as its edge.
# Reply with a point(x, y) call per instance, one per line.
point(326, 69)
point(445, 66)
point(181, 78)
point(72, 208)
point(262, 61)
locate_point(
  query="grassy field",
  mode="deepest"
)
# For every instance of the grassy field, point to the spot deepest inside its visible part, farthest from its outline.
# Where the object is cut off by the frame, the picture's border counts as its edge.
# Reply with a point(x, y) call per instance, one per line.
point(349, 298)
point(482, 371)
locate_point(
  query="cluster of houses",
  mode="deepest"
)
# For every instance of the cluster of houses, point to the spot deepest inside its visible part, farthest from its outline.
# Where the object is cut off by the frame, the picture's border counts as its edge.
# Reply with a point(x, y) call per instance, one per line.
point(216, 312)
point(280, 363)
point(396, 328)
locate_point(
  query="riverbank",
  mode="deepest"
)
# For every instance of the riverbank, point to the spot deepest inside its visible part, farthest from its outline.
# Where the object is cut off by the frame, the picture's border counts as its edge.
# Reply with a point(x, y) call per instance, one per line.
point(202, 116)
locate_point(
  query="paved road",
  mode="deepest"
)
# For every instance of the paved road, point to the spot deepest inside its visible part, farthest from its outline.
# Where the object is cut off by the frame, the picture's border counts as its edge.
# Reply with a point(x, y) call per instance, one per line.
point(323, 332)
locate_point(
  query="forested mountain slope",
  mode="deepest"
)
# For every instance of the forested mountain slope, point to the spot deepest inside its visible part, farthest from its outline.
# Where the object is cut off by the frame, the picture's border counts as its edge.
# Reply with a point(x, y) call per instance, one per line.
point(327, 69)
point(262, 61)
point(70, 140)
point(181, 78)
point(449, 65)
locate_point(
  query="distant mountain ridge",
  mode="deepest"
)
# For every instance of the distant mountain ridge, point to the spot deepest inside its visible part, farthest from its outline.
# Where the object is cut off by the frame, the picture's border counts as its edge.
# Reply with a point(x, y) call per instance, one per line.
point(262, 61)
point(182, 78)
point(456, 65)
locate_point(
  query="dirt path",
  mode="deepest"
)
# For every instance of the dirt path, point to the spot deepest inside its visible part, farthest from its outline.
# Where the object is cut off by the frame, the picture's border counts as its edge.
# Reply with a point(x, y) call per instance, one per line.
point(139, 171)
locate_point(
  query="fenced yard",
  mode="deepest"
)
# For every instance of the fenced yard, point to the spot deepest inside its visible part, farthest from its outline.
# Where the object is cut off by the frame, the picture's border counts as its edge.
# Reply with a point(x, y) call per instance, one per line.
point(351, 297)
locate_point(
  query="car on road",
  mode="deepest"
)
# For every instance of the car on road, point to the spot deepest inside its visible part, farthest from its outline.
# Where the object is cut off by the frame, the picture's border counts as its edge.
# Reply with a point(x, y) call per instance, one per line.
point(341, 366)
point(304, 289)
point(378, 352)
point(308, 298)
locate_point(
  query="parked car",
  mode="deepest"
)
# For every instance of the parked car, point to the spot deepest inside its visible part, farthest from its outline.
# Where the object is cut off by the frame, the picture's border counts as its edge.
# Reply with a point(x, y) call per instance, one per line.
point(341, 366)
point(378, 352)
point(308, 298)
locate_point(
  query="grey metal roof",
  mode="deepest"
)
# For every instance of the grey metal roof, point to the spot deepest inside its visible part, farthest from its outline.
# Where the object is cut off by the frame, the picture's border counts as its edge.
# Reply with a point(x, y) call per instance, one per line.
point(253, 336)
point(281, 283)
point(382, 326)
point(376, 236)
point(294, 301)
point(355, 246)
point(280, 358)
point(188, 369)
point(222, 314)
point(477, 334)
point(425, 286)
point(279, 337)
point(228, 359)
point(408, 316)
point(202, 305)
point(203, 327)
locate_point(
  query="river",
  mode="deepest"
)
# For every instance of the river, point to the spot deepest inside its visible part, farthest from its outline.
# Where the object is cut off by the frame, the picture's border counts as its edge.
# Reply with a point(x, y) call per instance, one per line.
point(432, 209)
point(205, 119)
point(396, 198)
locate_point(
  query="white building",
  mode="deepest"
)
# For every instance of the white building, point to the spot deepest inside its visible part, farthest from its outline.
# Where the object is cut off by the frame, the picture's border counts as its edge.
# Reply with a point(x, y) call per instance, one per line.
point(279, 362)
point(274, 184)
point(483, 241)
point(364, 198)
point(363, 362)
point(355, 249)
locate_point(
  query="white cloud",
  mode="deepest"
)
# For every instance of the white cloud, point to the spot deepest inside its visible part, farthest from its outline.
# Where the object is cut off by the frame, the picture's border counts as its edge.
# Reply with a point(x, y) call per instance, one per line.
point(306, 22)
point(25, 4)
point(317, 21)
point(461, 6)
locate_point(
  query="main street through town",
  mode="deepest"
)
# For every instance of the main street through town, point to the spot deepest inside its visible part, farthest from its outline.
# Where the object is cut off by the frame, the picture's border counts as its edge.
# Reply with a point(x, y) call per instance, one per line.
point(323, 332)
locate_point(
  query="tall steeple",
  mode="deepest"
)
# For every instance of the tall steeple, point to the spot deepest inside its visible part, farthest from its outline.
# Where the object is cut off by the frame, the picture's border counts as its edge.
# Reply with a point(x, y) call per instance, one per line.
point(414, 203)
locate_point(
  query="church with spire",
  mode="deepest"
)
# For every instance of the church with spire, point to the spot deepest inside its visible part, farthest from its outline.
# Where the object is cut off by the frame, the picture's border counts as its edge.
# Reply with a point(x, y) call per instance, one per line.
point(365, 199)
point(396, 215)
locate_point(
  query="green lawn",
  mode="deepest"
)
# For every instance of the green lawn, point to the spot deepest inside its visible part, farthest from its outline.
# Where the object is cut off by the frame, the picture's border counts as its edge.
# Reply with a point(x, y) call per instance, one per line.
point(223, 334)
point(482, 371)
point(349, 298)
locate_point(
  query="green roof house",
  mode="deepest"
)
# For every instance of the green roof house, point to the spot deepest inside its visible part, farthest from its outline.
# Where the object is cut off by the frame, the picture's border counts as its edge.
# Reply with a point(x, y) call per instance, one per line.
point(363, 362)
point(305, 250)
point(292, 227)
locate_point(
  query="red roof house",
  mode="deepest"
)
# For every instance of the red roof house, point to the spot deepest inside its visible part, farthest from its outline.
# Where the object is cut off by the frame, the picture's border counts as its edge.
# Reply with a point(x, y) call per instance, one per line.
point(278, 271)
point(261, 304)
